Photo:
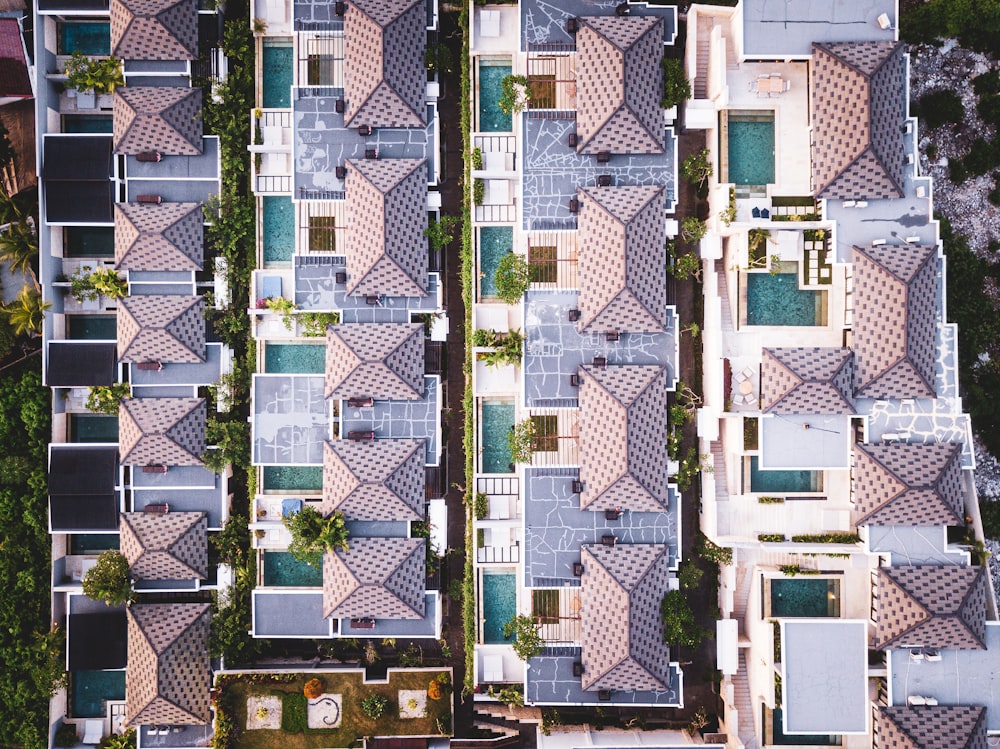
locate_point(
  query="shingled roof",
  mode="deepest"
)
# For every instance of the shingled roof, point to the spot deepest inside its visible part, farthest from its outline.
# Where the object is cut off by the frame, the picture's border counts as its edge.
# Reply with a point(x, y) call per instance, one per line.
point(931, 606)
point(386, 246)
point(385, 77)
point(158, 118)
point(166, 547)
point(14, 80)
point(807, 380)
point(620, 84)
point(623, 275)
point(896, 302)
point(161, 328)
point(858, 100)
point(168, 236)
point(168, 676)
point(620, 623)
point(154, 29)
point(161, 431)
point(932, 727)
point(381, 480)
point(908, 484)
point(623, 431)
point(375, 360)
point(379, 577)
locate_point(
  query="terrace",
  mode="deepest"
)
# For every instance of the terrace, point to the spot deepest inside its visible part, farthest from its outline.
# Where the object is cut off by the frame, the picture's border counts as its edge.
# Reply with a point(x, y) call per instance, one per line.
point(291, 419)
point(544, 23)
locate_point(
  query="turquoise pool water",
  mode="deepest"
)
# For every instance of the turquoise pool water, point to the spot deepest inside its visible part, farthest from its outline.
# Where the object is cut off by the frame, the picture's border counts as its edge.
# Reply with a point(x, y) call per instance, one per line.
point(805, 597)
point(782, 482)
point(499, 604)
point(294, 478)
point(88, 37)
point(494, 243)
point(278, 228)
point(89, 689)
point(778, 300)
point(93, 428)
point(282, 570)
point(779, 738)
point(751, 149)
point(93, 543)
point(92, 327)
point(496, 422)
point(277, 74)
point(89, 241)
point(87, 124)
point(491, 119)
point(303, 358)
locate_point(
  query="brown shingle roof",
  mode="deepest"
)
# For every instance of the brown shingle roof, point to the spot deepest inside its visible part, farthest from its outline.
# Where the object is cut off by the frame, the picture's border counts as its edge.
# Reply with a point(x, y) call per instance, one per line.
point(375, 360)
point(168, 674)
point(931, 606)
point(379, 577)
point(166, 547)
point(896, 302)
point(168, 329)
point(858, 99)
point(386, 246)
point(623, 433)
point(623, 275)
point(807, 380)
point(620, 84)
point(381, 480)
point(168, 236)
point(621, 627)
point(908, 484)
point(154, 29)
point(14, 79)
point(161, 431)
point(932, 727)
point(158, 118)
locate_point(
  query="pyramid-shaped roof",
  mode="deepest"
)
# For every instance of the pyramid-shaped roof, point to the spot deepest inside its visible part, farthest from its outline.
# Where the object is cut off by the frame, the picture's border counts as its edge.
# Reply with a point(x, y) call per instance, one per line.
point(168, 675)
point(158, 118)
point(932, 727)
point(382, 578)
point(163, 328)
point(807, 380)
point(623, 434)
point(161, 431)
point(387, 209)
point(908, 484)
point(375, 360)
point(620, 84)
point(154, 29)
point(931, 606)
point(375, 480)
point(623, 276)
point(385, 76)
point(164, 237)
point(166, 547)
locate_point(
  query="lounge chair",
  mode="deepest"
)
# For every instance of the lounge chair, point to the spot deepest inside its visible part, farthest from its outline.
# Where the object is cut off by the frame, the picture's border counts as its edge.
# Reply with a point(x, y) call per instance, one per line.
point(600, 362)
point(159, 508)
point(92, 731)
point(149, 366)
point(360, 436)
point(151, 157)
point(755, 212)
point(764, 213)
point(160, 468)
point(493, 668)
point(149, 199)
point(363, 623)
point(360, 402)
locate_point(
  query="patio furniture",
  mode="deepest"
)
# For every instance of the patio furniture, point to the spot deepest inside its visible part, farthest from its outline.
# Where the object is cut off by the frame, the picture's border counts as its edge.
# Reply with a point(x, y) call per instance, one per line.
point(154, 469)
point(764, 213)
point(340, 172)
point(862, 204)
point(572, 140)
point(365, 130)
point(755, 212)
point(371, 153)
point(612, 336)
point(489, 23)
point(608, 540)
point(746, 387)
point(916, 654)
point(878, 242)
point(912, 240)
point(622, 9)
point(159, 508)
point(577, 486)
point(572, 25)
point(748, 372)
point(493, 668)
point(338, 8)
point(270, 287)
point(932, 655)
point(148, 157)
point(149, 366)
point(338, 106)
point(849, 203)
point(574, 205)
point(363, 623)
point(600, 362)
point(884, 22)
point(371, 300)
point(290, 507)
point(340, 276)
point(603, 157)
point(149, 199)
point(577, 668)
point(614, 514)
point(92, 731)
point(604, 180)
point(740, 377)
point(360, 436)
point(574, 380)
point(360, 402)
point(577, 569)
point(604, 695)
point(573, 315)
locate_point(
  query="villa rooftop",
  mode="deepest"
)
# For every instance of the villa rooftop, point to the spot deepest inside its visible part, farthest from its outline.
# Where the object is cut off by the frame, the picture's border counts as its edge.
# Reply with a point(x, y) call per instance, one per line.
point(165, 547)
point(543, 23)
point(162, 431)
point(807, 381)
point(932, 726)
point(381, 578)
point(162, 329)
point(381, 480)
point(154, 29)
point(777, 30)
point(166, 119)
point(381, 361)
point(168, 236)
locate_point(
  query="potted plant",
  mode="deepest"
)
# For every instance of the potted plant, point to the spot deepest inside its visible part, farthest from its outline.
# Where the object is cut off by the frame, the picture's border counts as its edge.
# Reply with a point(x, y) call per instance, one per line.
point(92, 77)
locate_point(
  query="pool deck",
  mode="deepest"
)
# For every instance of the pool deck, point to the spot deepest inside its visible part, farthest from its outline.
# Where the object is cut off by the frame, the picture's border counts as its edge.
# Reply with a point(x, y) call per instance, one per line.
point(290, 420)
point(401, 419)
point(544, 21)
point(551, 682)
point(316, 289)
point(287, 613)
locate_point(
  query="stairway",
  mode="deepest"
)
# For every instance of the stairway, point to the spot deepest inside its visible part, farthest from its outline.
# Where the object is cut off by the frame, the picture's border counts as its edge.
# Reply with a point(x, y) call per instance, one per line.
point(701, 69)
point(727, 314)
point(719, 472)
point(744, 705)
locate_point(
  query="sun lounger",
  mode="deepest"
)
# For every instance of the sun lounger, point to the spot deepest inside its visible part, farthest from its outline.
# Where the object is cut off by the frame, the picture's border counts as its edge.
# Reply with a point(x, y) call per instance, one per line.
point(149, 366)
point(154, 469)
point(92, 731)
point(160, 508)
point(149, 199)
point(489, 23)
point(493, 668)
point(363, 623)
point(270, 287)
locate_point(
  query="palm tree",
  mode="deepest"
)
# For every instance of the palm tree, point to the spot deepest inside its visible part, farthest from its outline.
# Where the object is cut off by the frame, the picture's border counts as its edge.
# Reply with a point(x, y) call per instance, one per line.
point(27, 312)
point(19, 248)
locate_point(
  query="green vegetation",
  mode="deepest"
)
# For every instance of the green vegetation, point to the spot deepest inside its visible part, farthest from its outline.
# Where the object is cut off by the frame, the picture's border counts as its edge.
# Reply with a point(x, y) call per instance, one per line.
point(440, 232)
point(707, 549)
point(513, 277)
point(482, 506)
point(314, 324)
point(676, 86)
point(770, 500)
point(937, 108)
point(771, 538)
point(104, 399)
point(527, 642)
point(312, 533)
point(975, 23)
point(693, 229)
point(232, 444)
point(108, 580)
point(514, 94)
point(697, 167)
point(100, 76)
point(478, 191)
point(827, 538)
point(374, 705)
point(521, 441)
point(506, 347)
point(679, 624)
point(689, 574)
point(89, 284)
point(25, 314)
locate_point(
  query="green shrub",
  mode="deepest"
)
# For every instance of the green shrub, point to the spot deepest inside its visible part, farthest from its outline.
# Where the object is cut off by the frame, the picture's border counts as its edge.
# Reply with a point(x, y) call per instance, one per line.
point(374, 705)
point(478, 191)
point(826, 538)
point(679, 624)
point(938, 108)
point(66, 736)
point(482, 506)
point(105, 399)
point(957, 173)
point(100, 76)
point(790, 570)
point(477, 158)
point(515, 93)
point(689, 574)
point(988, 108)
point(983, 156)
point(707, 549)
point(527, 642)
point(697, 167)
point(512, 277)
point(312, 533)
point(108, 580)
point(771, 538)
point(294, 712)
point(770, 500)
point(676, 86)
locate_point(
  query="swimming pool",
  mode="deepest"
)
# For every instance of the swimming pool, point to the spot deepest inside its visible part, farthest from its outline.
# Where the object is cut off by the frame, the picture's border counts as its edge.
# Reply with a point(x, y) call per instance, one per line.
point(93, 428)
point(776, 299)
point(496, 420)
point(807, 597)
point(782, 482)
point(282, 570)
point(92, 327)
point(75, 123)
point(779, 739)
point(751, 148)
point(277, 69)
point(93, 543)
point(89, 241)
point(88, 691)
point(491, 119)
point(499, 594)
point(278, 229)
point(300, 358)
point(299, 479)
point(494, 243)
point(86, 37)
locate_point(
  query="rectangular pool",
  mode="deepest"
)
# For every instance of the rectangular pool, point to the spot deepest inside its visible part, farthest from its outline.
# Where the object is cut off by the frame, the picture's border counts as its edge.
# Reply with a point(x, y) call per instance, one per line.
point(92, 327)
point(278, 228)
point(93, 543)
point(776, 299)
point(751, 148)
point(806, 597)
point(304, 479)
point(277, 68)
point(494, 243)
point(499, 596)
point(282, 570)
point(76, 123)
point(93, 428)
point(298, 358)
point(778, 737)
point(782, 482)
point(496, 421)
point(491, 118)
point(88, 690)
point(89, 241)
point(87, 37)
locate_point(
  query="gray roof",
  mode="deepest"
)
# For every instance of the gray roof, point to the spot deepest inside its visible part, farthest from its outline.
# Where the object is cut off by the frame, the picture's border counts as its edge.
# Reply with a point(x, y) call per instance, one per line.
point(382, 578)
point(931, 606)
point(385, 76)
point(168, 676)
point(381, 480)
point(169, 329)
point(620, 84)
point(858, 100)
point(932, 727)
point(387, 209)
point(806, 380)
point(896, 302)
point(166, 547)
point(161, 431)
point(158, 118)
point(908, 484)
point(620, 623)
point(375, 360)
point(622, 267)
point(154, 29)
point(623, 434)
point(164, 237)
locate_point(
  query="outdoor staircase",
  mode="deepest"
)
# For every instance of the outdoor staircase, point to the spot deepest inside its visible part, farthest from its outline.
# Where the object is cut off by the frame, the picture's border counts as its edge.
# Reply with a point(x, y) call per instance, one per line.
point(741, 595)
point(744, 705)
point(701, 68)
point(727, 313)
point(719, 472)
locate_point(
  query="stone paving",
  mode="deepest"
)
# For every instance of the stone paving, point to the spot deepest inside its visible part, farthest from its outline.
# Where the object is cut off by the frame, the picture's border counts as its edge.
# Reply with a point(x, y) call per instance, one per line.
point(291, 419)
point(544, 21)
point(401, 419)
point(551, 681)
point(316, 289)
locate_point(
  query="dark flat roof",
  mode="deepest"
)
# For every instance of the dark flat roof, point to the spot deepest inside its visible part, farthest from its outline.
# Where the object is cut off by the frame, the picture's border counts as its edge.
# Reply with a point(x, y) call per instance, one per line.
point(97, 641)
point(81, 364)
point(82, 488)
point(76, 172)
